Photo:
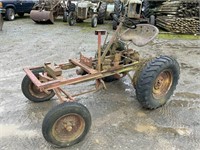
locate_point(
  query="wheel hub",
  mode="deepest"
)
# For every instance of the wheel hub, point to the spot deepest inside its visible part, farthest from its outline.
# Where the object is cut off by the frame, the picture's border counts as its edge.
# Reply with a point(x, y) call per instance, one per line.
point(162, 84)
point(35, 91)
point(68, 127)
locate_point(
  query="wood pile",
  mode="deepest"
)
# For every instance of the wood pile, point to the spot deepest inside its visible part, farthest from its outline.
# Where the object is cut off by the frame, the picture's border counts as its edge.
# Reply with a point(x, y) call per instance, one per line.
point(179, 16)
point(179, 25)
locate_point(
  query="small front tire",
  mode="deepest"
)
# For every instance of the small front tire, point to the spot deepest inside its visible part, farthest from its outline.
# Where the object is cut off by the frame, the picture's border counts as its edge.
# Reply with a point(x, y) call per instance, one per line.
point(30, 90)
point(66, 124)
point(94, 21)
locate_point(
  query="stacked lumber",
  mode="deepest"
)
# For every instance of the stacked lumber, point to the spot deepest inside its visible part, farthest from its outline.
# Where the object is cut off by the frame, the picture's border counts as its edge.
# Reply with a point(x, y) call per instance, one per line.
point(179, 16)
point(179, 25)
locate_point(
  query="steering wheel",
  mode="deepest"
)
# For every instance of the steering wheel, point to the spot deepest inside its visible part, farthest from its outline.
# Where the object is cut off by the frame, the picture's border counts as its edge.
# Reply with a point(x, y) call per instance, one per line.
point(129, 23)
point(126, 22)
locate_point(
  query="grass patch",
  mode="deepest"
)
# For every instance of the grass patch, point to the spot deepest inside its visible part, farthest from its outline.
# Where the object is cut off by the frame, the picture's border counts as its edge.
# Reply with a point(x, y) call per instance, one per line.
point(173, 36)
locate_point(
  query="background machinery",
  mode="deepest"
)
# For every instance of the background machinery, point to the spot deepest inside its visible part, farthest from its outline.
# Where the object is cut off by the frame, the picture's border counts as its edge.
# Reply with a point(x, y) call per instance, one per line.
point(87, 9)
point(45, 11)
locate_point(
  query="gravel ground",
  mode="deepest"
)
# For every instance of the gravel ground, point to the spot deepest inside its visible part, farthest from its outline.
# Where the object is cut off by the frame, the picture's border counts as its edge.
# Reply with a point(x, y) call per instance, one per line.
point(118, 120)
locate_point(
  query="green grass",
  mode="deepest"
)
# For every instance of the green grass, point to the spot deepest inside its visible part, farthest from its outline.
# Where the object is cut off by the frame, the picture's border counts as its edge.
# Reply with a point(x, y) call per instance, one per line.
point(173, 36)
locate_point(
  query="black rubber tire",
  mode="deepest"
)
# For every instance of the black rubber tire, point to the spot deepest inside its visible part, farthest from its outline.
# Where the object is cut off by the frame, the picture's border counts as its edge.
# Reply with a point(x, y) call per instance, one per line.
point(20, 14)
point(27, 84)
point(56, 114)
point(94, 21)
point(71, 18)
point(102, 13)
point(65, 16)
point(146, 6)
point(118, 7)
point(10, 14)
point(146, 81)
point(117, 11)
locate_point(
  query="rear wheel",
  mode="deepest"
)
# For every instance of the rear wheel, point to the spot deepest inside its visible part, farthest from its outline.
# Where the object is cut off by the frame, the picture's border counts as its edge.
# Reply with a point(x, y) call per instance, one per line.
point(32, 92)
point(157, 81)
point(102, 13)
point(66, 124)
point(117, 11)
point(146, 9)
point(10, 14)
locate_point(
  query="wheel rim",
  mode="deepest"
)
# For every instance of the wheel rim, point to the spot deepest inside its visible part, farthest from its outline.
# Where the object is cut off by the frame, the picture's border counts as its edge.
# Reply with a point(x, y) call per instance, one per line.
point(95, 22)
point(68, 128)
point(12, 15)
point(35, 91)
point(162, 84)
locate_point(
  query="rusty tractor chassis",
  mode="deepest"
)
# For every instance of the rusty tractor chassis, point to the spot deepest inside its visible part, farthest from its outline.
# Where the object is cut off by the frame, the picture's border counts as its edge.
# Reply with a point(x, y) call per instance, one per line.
point(56, 80)
point(92, 68)
point(69, 122)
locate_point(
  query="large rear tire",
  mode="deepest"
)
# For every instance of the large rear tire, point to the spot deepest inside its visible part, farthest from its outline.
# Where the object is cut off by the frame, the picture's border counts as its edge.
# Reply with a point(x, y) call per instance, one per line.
point(66, 124)
point(146, 9)
point(157, 82)
point(102, 12)
point(118, 6)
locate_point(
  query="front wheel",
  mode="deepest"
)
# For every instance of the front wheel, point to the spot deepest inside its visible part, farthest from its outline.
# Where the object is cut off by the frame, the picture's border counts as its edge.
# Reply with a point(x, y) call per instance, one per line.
point(32, 92)
point(157, 82)
point(94, 21)
point(66, 124)
point(71, 18)
point(10, 14)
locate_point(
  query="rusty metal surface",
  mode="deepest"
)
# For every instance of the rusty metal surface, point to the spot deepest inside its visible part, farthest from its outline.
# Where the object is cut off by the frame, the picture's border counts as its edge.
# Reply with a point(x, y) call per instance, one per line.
point(42, 16)
point(142, 35)
point(68, 127)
